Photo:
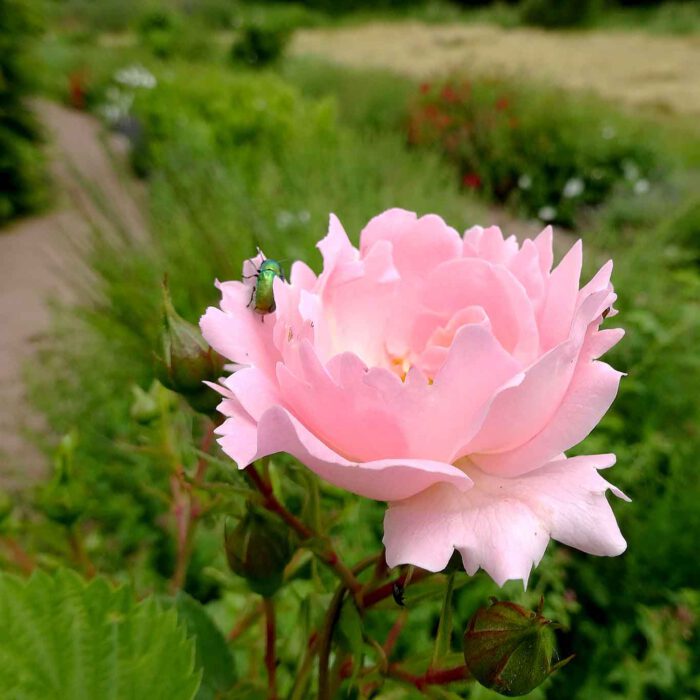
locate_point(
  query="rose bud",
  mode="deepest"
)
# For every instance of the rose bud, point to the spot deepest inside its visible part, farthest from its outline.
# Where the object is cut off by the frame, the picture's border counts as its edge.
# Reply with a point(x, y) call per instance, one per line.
point(510, 649)
point(187, 360)
point(257, 549)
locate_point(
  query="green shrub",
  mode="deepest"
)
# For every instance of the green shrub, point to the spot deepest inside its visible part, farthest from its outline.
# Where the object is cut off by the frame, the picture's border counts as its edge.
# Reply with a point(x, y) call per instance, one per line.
point(259, 44)
point(548, 156)
point(22, 185)
point(209, 108)
point(560, 13)
point(99, 15)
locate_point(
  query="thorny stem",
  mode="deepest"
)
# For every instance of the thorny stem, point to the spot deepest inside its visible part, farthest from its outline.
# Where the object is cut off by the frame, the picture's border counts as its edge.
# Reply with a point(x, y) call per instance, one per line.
point(270, 653)
point(327, 554)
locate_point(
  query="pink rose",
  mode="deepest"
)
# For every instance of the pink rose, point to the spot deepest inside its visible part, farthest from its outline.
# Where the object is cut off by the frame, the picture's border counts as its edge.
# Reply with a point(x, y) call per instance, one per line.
point(446, 375)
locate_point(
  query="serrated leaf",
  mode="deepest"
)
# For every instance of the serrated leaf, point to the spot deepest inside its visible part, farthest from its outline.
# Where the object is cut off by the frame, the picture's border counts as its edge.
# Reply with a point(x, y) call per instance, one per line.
point(61, 637)
point(213, 656)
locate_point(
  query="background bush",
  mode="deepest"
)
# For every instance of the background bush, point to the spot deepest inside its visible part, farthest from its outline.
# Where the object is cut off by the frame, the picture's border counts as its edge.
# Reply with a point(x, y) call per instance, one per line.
point(22, 187)
point(547, 155)
point(560, 13)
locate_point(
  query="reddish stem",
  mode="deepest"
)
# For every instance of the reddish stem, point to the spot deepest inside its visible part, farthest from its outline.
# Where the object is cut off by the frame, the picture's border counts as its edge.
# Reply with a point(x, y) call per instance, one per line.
point(244, 623)
point(394, 632)
point(270, 653)
point(327, 555)
point(379, 593)
point(186, 509)
point(21, 558)
point(430, 677)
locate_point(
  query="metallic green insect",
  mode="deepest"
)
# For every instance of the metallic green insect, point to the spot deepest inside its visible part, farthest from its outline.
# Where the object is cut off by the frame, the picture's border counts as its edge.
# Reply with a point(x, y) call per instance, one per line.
point(262, 297)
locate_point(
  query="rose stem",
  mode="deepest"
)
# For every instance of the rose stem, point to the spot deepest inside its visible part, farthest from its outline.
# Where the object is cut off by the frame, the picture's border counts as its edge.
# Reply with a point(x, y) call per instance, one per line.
point(270, 654)
point(327, 555)
point(187, 514)
point(442, 677)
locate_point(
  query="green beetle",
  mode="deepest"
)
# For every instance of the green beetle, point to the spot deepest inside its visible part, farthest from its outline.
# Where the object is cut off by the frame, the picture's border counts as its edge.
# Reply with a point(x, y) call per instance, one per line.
point(262, 297)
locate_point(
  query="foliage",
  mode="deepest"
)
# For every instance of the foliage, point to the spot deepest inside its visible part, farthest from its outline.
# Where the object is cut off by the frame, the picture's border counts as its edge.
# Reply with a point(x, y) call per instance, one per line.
point(546, 155)
point(560, 13)
point(22, 187)
point(166, 33)
point(62, 637)
point(260, 44)
point(221, 111)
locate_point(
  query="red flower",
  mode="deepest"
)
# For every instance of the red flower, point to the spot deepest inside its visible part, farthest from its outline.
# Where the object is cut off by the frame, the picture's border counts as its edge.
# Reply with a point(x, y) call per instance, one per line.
point(425, 87)
point(471, 180)
point(502, 104)
point(448, 94)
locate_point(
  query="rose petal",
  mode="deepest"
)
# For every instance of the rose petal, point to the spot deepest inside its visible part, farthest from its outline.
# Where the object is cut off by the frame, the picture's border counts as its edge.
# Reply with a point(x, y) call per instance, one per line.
point(560, 301)
point(504, 525)
point(592, 391)
point(384, 480)
point(237, 332)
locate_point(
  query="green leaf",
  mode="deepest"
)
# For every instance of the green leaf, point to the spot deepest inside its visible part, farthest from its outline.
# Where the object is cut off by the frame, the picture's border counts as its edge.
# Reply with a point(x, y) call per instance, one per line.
point(213, 656)
point(61, 637)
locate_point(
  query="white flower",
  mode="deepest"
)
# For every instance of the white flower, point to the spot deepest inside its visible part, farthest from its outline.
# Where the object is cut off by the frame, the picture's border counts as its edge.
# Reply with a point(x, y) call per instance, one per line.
point(524, 182)
point(304, 216)
point(118, 104)
point(574, 187)
point(547, 213)
point(641, 186)
point(608, 132)
point(136, 76)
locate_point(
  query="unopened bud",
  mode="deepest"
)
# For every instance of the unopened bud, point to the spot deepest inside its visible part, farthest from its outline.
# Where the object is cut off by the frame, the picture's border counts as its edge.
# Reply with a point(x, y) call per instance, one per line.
point(63, 498)
point(144, 408)
point(187, 360)
point(510, 649)
point(258, 548)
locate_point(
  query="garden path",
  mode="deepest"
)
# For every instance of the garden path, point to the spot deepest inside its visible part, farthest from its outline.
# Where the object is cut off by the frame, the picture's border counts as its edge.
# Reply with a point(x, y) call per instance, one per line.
point(639, 69)
point(38, 262)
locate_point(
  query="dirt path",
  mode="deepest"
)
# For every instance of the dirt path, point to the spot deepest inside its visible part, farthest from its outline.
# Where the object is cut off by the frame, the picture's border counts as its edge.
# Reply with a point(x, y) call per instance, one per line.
point(36, 261)
point(660, 72)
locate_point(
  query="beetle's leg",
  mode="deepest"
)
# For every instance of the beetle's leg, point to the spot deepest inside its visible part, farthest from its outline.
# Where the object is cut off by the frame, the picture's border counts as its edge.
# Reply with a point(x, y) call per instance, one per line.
point(250, 301)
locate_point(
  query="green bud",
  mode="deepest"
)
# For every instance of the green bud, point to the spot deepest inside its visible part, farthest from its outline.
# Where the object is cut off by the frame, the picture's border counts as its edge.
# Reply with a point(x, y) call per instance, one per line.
point(258, 548)
point(510, 649)
point(145, 408)
point(187, 360)
point(63, 498)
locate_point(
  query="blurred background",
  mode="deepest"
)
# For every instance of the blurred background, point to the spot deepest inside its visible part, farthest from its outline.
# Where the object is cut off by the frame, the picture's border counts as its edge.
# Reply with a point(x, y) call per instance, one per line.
point(139, 139)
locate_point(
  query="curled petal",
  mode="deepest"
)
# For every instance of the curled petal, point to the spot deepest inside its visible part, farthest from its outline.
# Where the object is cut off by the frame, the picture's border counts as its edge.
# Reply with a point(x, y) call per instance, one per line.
point(503, 525)
point(384, 480)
